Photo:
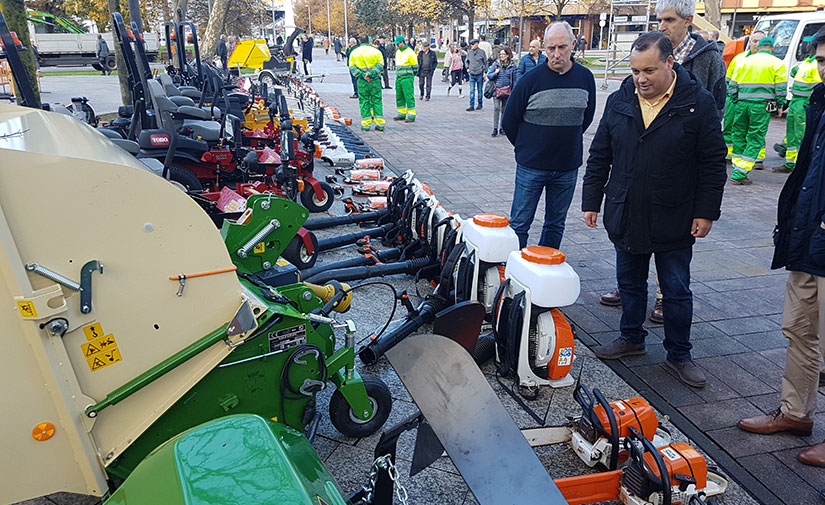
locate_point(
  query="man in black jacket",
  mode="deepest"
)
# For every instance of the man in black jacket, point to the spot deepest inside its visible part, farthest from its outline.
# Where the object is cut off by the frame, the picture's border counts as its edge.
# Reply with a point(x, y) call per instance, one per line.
point(427, 63)
point(659, 159)
point(800, 248)
point(307, 43)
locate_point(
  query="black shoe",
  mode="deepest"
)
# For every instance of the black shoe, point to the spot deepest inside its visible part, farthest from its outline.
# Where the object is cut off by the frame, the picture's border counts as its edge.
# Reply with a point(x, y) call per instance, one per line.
point(470, 109)
point(495, 133)
point(688, 372)
point(611, 299)
point(422, 97)
point(501, 131)
point(821, 379)
point(354, 96)
point(479, 107)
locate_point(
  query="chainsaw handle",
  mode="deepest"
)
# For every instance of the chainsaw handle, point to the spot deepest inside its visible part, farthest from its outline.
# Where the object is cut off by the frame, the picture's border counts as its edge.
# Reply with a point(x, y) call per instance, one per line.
point(614, 428)
point(638, 457)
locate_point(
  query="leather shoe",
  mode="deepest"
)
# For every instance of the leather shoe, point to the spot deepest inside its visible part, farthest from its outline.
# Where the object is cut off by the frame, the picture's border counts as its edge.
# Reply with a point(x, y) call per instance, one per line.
point(656, 314)
point(619, 348)
point(688, 372)
point(813, 456)
point(611, 299)
point(775, 422)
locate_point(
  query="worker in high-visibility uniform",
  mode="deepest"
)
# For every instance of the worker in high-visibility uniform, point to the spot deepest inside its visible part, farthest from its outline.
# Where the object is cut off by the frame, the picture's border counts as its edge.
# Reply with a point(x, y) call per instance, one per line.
point(761, 78)
point(805, 77)
point(406, 68)
point(366, 64)
point(730, 100)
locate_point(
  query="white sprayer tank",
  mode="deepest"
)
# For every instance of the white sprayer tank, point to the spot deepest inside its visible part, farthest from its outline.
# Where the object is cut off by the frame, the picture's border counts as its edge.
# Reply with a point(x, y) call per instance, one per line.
point(491, 236)
point(543, 270)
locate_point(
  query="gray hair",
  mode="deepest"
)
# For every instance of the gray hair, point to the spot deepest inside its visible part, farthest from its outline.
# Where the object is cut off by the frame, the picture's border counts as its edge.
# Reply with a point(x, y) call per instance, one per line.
point(565, 24)
point(683, 8)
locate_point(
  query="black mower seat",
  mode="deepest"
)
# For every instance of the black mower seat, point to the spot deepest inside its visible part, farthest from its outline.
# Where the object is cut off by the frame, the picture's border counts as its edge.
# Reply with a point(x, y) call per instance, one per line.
point(209, 131)
point(172, 90)
point(196, 118)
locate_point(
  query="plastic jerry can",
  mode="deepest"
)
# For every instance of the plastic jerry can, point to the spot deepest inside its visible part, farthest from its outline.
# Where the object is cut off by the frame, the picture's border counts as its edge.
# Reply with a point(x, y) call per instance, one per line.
point(491, 236)
point(543, 270)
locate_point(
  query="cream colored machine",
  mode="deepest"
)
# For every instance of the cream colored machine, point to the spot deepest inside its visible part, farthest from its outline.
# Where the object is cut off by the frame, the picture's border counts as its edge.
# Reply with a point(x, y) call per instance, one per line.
point(88, 241)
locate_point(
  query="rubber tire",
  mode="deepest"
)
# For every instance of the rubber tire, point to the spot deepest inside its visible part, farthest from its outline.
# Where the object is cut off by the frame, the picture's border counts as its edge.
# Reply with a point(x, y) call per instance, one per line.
point(296, 254)
point(340, 412)
point(311, 202)
point(268, 79)
point(185, 178)
point(111, 62)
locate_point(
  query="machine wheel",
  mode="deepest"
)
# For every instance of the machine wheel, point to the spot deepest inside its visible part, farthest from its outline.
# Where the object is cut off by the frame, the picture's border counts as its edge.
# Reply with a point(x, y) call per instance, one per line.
point(111, 62)
point(89, 116)
point(311, 200)
point(185, 178)
point(297, 254)
point(344, 419)
point(268, 79)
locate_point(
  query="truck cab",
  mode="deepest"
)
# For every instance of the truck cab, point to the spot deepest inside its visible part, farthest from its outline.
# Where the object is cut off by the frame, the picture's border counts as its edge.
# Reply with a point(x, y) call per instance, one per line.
point(788, 31)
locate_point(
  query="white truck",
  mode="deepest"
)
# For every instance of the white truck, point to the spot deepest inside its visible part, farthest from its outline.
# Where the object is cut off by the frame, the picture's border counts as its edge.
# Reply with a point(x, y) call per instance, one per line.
point(788, 31)
point(78, 49)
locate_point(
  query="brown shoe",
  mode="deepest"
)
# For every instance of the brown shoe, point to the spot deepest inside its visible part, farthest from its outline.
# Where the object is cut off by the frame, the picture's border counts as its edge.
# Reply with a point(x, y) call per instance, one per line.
point(619, 348)
point(813, 456)
point(775, 422)
point(656, 315)
point(611, 299)
point(688, 372)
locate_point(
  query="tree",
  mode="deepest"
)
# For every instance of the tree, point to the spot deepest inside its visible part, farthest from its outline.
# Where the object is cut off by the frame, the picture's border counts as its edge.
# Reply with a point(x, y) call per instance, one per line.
point(215, 27)
point(15, 13)
point(125, 92)
point(559, 5)
point(713, 12)
point(319, 15)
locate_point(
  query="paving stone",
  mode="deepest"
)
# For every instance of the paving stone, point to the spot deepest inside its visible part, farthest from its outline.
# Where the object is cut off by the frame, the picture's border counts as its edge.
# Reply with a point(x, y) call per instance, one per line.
point(734, 376)
point(760, 367)
point(763, 341)
point(739, 443)
point(740, 326)
point(780, 479)
point(810, 474)
point(716, 415)
point(668, 386)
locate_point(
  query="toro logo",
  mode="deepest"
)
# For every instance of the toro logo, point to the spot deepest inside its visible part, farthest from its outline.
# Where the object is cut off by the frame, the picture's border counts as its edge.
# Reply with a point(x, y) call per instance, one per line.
point(159, 140)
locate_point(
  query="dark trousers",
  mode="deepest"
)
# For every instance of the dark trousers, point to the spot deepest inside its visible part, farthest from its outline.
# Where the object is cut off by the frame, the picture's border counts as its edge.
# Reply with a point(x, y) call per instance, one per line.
point(354, 84)
point(425, 83)
point(386, 76)
point(673, 269)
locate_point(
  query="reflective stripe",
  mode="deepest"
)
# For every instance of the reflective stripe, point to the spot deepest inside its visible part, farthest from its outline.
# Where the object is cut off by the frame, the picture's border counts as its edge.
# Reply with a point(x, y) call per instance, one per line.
point(757, 96)
point(800, 93)
point(402, 112)
point(791, 155)
point(379, 121)
point(755, 85)
point(761, 155)
point(366, 121)
point(410, 112)
point(743, 165)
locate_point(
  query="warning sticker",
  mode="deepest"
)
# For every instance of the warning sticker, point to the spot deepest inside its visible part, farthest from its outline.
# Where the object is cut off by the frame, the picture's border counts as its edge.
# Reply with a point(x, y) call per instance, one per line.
point(565, 356)
point(260, 248)
point(670, 454)
point(104, 359)
point(27, 308)
point(282, 340)
point(93, 331)
point(97, 345)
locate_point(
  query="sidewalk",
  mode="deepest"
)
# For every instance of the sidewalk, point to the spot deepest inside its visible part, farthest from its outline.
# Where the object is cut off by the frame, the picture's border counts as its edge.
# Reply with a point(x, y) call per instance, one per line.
point(737, 298)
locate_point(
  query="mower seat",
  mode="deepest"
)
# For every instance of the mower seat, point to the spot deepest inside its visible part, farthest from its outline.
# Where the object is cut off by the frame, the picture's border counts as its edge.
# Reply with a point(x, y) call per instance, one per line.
point(170, 115)
point(172, 90)
point(209, 131)
point(181, 100)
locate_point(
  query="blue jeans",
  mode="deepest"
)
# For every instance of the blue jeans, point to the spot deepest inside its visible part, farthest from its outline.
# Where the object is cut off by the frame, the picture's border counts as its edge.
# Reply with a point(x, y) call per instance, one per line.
point(673, 270)
point(558, 187)
point(476, 81)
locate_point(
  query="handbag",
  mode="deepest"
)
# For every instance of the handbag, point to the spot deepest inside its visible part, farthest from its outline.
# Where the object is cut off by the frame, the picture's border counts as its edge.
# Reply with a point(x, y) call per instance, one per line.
point(503, 92)
point(490, 89)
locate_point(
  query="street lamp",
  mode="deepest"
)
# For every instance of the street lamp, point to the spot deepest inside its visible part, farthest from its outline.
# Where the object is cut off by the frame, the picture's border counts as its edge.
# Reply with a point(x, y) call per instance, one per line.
point(329, 23)
point(309, 18)
point(346, 27)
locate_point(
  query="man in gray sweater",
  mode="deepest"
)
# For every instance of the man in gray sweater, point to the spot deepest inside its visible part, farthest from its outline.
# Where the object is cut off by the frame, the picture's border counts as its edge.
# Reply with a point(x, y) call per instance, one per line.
point(476, 67)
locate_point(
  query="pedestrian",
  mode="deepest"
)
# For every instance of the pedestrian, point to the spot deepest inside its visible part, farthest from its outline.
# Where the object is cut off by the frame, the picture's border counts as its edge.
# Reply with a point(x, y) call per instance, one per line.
point(381, 45)
point(476, 65)
point(326, 45)
point(759, 79)
point(515, 43)
point(427, 63)
point(800, 248)
point(336, 46)
point(658, 161)
point(352, 44)
point(534, 58)
point(545, 118)
point(366, 64)
point(487, 48)
point(503, 73)
point(701, 59)
point(805, 77)
point(456, 67)
point(731, 101)
point(102, 53)
point(714, 36)
point(306, 54)
point(407, 68)
point(220, 52)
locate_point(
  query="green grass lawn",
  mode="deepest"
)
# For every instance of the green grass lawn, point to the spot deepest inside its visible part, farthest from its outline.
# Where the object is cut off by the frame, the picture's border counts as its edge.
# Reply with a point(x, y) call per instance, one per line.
point(79, 72)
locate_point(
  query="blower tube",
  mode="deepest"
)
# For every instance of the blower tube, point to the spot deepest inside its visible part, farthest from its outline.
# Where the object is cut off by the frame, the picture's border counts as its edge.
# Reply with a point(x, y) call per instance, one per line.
point(330, 222)
point(383, 256)
point(351, 238)
point(425, 313)
point(365, 272)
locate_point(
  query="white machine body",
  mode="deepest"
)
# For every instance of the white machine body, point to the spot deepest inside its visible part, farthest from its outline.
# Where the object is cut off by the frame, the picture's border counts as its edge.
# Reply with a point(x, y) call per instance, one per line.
point(489, 240)
point(549, 285)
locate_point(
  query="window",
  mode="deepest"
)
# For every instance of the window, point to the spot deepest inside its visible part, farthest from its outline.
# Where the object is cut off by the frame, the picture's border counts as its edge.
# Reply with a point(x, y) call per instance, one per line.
point(781, 31)
point(809, 30)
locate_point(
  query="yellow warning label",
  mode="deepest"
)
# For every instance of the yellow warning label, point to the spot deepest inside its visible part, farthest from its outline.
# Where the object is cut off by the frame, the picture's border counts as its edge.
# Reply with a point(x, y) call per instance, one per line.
point(104, 359)
point(27, 308)
point(97, 345)
point(281, 262)
point(93, 331)
point(321, 501)
point(259, 248)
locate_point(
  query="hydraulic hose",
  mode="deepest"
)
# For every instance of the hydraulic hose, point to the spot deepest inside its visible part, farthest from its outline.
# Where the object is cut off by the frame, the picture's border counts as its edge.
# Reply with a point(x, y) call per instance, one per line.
point(351, 238)
point(365, 272)
point(383, 256)
point(329, 222)
point(424, 314)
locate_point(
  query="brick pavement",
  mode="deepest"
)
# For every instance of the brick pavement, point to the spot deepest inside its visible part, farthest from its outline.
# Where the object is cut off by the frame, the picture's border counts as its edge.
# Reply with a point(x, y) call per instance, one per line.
point(737, 298)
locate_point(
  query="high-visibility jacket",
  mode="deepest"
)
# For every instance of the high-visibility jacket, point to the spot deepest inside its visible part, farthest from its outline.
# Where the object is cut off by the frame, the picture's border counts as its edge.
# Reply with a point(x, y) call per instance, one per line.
point(406, 62)
point(733, 67)
point(366, 60)
point(805, 77)
point(761, 77)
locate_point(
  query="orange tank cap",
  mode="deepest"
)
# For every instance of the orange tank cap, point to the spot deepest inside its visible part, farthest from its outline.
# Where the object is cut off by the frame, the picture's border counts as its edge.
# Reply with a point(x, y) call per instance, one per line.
point(543, 255)
point(491, 220)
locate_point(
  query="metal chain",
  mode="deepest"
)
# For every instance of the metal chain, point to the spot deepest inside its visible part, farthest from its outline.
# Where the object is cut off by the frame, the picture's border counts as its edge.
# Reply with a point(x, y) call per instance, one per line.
point(384, 463)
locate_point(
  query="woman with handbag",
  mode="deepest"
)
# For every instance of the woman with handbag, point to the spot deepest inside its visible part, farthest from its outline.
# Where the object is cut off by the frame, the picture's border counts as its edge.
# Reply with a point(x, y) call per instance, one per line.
point(502, 72)
point(456, 70)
